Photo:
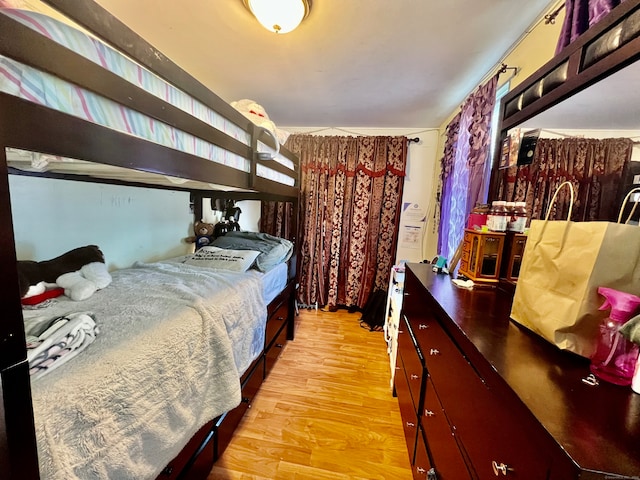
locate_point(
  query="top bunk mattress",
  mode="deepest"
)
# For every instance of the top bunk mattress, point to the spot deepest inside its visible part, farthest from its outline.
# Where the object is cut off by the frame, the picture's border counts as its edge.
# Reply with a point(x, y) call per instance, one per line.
point(39, 87)
point(172, 343)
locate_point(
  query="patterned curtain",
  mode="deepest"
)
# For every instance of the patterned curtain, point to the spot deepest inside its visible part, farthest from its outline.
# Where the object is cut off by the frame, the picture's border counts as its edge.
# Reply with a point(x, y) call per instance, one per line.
point(463, 165)
point(594, 167)
point(350, 210)
point(276, 218)
point(580, 15)
point(480, 111)
point(446, 181)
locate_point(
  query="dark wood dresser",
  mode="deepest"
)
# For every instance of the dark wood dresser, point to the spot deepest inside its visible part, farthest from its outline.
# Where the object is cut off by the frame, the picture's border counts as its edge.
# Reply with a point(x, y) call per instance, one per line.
point(482, 397)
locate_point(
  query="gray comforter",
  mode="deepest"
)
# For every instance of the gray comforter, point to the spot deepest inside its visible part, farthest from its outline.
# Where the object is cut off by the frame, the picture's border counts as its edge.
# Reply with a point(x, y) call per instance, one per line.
point(173, 341)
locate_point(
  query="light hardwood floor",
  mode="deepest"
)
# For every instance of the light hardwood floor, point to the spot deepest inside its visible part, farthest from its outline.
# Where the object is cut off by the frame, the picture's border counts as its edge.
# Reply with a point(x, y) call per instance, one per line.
point(325, 412)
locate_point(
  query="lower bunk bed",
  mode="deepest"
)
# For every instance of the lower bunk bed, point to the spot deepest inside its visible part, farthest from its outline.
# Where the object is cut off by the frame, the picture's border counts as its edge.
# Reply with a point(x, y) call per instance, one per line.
point(179, 351)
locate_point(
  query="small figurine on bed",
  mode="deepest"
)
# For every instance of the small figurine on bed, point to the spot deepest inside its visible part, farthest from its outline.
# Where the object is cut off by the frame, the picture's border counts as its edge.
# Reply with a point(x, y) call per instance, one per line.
point(203, 234)
point(80, 272)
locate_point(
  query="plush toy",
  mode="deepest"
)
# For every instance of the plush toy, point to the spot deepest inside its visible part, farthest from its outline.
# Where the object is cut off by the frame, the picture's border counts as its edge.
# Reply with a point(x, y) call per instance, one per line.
point(80, 272)
point(231, 211)
point(203, 234)
point(258, 115)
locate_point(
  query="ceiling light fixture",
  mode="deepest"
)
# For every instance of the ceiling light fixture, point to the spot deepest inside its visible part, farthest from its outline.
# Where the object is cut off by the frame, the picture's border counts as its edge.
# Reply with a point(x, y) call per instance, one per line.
point(279, 16)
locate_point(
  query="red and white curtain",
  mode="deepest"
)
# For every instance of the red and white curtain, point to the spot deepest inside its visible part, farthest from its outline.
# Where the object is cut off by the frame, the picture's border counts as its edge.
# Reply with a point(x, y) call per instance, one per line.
point(276, 218)
point(595, 167)
point(350, 211)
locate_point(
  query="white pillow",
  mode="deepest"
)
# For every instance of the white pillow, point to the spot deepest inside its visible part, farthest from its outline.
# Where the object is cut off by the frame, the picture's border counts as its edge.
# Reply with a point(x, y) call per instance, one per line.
point(223, 259)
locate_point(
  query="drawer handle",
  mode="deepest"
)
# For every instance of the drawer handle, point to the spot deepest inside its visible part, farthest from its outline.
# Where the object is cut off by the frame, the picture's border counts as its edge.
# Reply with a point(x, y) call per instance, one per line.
point(414, 376)
point(429, 413)
point(434, 351)
point(499, 468)
point(279, 345)
point(280, 318)
point(168, 470)
point(422, 326)
point(420, 470)
point(411, 424)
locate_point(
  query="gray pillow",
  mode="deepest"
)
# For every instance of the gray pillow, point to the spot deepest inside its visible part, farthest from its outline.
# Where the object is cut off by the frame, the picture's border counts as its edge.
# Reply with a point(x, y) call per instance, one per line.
point(273, 250)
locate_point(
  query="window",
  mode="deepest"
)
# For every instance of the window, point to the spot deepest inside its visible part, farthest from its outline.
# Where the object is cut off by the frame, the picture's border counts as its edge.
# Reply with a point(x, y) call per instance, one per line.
point(495, 134)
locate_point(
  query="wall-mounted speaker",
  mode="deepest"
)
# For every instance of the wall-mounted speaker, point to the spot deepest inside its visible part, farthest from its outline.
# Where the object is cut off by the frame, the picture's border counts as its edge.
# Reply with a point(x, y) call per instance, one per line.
point(528, 146)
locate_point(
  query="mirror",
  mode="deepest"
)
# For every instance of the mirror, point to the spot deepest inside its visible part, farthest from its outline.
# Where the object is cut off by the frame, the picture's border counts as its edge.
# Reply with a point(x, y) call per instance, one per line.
point(580, 113)
point(607, 109)
point(611, 105)
point(577, 119)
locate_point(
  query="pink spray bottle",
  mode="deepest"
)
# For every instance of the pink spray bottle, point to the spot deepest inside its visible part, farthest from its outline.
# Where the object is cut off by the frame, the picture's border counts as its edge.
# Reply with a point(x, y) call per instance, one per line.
point(615, 357)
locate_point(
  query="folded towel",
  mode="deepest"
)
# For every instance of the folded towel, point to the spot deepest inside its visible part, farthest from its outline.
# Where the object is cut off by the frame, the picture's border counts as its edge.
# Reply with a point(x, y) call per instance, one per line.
point(53, 342)
point(631, 329)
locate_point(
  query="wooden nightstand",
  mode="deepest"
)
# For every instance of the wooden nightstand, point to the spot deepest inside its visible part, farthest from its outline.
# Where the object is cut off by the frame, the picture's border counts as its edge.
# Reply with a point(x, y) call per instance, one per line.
point(513, 251)
point(481, 255)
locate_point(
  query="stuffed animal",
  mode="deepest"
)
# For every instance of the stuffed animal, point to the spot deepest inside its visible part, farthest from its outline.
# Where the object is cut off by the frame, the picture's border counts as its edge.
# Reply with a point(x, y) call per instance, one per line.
point(258, 115)
point(231, 211)
point(203, 234)
point(80, 272)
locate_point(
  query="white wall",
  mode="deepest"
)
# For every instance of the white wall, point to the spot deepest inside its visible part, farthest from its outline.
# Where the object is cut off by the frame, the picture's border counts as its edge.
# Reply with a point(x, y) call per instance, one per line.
point(129, 224)
point(419, 188)
point(419, 185)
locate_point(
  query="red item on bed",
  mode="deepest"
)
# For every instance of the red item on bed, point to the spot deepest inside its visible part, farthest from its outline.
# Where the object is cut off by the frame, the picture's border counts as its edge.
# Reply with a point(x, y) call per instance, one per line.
point(47, 294)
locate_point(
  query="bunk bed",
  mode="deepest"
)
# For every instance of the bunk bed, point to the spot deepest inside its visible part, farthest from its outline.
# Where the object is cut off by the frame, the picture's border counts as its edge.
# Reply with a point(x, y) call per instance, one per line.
point(173, 133)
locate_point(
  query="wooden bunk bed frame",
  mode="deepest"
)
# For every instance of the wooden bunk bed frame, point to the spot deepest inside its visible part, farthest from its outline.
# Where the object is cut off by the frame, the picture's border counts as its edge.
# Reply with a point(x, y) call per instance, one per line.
point(28, 126)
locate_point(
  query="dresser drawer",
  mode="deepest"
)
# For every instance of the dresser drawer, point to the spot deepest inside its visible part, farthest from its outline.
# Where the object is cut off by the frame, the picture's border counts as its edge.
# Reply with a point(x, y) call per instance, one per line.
point(448, 369)
point(202, 441)
point(227, 423)
point(275, 323)
point(486, 430)
point(464, 263)
point(466, 243)
point(412, 302)
point(412, 361)
point(203, 463)
point(441, 439)
point(504, 448)
point(274, 350)
point(407, 410)
point(422, 466)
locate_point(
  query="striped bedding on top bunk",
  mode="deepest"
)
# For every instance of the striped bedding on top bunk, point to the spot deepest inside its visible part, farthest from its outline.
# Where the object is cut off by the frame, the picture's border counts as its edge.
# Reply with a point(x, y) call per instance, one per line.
point(39, 87)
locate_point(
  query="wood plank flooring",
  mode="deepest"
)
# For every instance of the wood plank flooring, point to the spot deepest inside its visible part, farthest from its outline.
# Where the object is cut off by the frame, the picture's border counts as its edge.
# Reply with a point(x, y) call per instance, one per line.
point(325, 412)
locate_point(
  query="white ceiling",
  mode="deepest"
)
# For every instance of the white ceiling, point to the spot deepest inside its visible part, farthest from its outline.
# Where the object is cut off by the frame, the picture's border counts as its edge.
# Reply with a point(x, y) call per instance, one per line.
point(351, 63)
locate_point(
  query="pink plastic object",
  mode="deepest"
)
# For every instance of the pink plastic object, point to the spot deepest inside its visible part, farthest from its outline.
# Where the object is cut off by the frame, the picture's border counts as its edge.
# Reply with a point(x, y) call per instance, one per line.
point(477, 221)
point(615, 357)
